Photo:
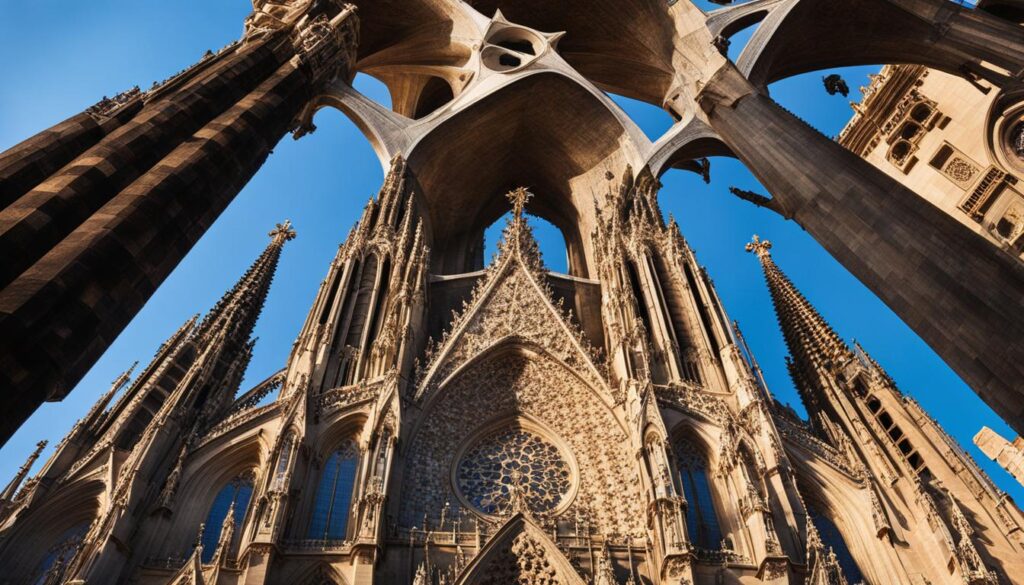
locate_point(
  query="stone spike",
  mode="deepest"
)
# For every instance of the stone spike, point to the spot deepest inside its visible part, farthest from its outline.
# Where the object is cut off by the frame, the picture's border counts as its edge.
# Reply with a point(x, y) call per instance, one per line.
point(12, 488)
point(813, 344)
point(95, 416)
point(239, 308)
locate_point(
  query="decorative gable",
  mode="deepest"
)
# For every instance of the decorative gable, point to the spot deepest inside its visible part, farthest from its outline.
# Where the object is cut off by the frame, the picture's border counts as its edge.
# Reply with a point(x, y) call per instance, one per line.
point(520, 554)
point(512, 303)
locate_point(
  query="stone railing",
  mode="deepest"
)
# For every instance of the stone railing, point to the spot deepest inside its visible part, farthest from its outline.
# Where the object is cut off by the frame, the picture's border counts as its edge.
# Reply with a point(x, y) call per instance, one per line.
point(234, 421)
point(803, 436)
point(313, 545)
point(694, 399)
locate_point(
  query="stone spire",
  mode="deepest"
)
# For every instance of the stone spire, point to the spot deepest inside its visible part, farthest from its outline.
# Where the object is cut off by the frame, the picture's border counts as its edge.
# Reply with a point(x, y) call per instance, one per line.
point(12, 488)
point(815, 348)
point(236, 313)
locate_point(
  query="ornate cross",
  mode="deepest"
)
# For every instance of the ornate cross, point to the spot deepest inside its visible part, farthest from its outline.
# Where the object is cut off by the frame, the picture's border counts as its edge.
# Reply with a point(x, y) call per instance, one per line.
point(282, 232)
point(518, 199)
point(759, 246)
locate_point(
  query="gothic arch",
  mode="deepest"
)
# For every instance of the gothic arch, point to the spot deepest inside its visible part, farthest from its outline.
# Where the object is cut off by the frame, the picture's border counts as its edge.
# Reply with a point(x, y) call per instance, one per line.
point(512, 346)
point(320, 574)
point(26, 545)
point(848, 506)
point(510, 380)
point(700, 439)
point(203, 476)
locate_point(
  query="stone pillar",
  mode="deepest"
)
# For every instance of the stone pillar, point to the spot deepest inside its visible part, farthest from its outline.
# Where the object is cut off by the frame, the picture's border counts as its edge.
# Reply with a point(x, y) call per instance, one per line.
point(959, 293)
point(104, 249)
point(1010, 456)
point(38, 220)
point(28, 163)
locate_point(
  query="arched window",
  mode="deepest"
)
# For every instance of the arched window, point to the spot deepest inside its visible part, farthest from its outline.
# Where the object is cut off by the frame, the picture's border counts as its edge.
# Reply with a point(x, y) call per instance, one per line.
point(287, 446)
point(238, 491)
point(554, 248)
point(51, 568)
point(831, 537)
point(334, 494)
point(701, 519)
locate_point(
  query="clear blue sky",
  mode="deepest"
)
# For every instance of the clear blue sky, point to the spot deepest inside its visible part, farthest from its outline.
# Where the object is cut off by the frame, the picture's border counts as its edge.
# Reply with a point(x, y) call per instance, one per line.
point(62, 56)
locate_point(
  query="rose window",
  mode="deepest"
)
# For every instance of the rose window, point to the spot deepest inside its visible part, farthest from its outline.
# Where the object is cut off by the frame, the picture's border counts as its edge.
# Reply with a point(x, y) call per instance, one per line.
point(513, 458)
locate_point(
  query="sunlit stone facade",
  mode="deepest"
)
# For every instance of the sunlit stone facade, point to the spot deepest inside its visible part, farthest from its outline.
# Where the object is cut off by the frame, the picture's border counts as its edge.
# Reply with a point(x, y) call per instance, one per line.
point(442, 421)
point(958, 142)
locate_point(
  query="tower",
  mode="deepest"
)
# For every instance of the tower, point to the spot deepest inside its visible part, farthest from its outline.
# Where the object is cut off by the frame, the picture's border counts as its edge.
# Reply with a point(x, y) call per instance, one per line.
point(924, 492)
point(101, 489)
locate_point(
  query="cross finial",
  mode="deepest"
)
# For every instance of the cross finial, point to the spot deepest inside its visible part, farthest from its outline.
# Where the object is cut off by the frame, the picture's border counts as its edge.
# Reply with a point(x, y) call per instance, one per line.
point(518, 198)
point(282, 232)
point(759, 246)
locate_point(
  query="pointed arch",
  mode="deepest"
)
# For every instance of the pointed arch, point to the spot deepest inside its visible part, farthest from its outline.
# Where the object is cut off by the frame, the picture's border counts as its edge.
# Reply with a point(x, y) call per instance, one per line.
point(332, 504)
point(206, 473)
point(692, 464)
point(39, 538)
point(234, 497)
point(321, 574)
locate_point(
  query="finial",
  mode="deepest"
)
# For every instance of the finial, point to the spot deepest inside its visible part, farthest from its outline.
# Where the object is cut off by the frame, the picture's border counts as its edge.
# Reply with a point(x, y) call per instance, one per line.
point(759, 246)
point(518, 198)
point(282, 232)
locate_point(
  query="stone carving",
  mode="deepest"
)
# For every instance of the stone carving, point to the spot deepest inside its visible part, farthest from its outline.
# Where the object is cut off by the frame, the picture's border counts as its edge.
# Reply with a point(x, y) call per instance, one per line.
point(508, 459)
point(961, 170)
point(108, 107)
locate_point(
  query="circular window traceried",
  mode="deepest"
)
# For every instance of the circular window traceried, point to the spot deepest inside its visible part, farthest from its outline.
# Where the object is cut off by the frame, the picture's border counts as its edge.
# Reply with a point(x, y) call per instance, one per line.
point(513, 458)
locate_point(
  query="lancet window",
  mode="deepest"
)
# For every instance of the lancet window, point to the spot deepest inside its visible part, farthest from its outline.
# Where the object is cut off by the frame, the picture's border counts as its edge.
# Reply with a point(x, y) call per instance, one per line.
point(287, 447)
point(701, 518)
point(832, 538)
point(238, 491)
point(334, 494)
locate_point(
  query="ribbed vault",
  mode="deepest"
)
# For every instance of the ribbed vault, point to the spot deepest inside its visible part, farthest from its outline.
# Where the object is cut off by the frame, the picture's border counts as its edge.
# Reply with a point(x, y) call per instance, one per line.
point(543, 132)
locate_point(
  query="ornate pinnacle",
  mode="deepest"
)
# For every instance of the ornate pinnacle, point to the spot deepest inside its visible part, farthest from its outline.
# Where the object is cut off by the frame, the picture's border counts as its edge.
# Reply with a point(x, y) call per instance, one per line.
point(282, 232)
point(758, 246)
point(12, 488)
point(518, 199)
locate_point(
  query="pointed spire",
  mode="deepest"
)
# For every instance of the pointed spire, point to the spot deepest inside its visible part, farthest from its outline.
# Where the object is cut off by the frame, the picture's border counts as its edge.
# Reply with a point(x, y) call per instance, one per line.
point(237, 311)
point(227, 533)
point(517, 237)
point(814, 346)
point(12, 488)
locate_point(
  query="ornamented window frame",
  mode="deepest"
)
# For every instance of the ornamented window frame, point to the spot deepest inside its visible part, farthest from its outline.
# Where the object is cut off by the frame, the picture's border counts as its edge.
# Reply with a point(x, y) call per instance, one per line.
point(531, 425)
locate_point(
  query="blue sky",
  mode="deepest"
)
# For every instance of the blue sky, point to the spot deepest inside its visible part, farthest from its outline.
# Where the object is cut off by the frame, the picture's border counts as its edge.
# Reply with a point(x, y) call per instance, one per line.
point(62, 56)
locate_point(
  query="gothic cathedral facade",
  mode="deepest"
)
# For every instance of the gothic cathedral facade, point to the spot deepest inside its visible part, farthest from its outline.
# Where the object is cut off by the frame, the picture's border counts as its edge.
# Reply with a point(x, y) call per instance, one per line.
point(514, 448)
point(440, 420)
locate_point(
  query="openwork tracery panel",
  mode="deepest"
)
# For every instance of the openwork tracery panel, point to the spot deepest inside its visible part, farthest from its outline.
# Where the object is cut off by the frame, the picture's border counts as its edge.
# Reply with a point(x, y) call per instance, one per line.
point(513, 458)
point(605, 486)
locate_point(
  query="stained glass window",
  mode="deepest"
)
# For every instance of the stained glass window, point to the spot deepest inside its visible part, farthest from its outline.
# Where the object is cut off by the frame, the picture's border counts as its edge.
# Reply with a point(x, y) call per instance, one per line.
point(238, 491)
point(831, 537)
point(51, 568)
point(334, 495)
point(513, 456)
point(701, 519)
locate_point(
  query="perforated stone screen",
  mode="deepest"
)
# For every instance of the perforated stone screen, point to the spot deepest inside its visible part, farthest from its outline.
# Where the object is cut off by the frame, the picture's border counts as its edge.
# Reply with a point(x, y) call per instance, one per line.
point(513, 456)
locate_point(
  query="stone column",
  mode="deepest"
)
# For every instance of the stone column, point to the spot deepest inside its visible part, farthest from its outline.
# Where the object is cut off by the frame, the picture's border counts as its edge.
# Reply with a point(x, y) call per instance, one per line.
point(959, 293)
point(60, 313)
point(31, 161)
point(39, 219)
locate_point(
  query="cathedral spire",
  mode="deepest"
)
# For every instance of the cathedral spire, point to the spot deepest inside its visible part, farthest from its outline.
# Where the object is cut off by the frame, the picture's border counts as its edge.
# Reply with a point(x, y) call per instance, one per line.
point(237, 311)
point(814, 346)
point(12, 488)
